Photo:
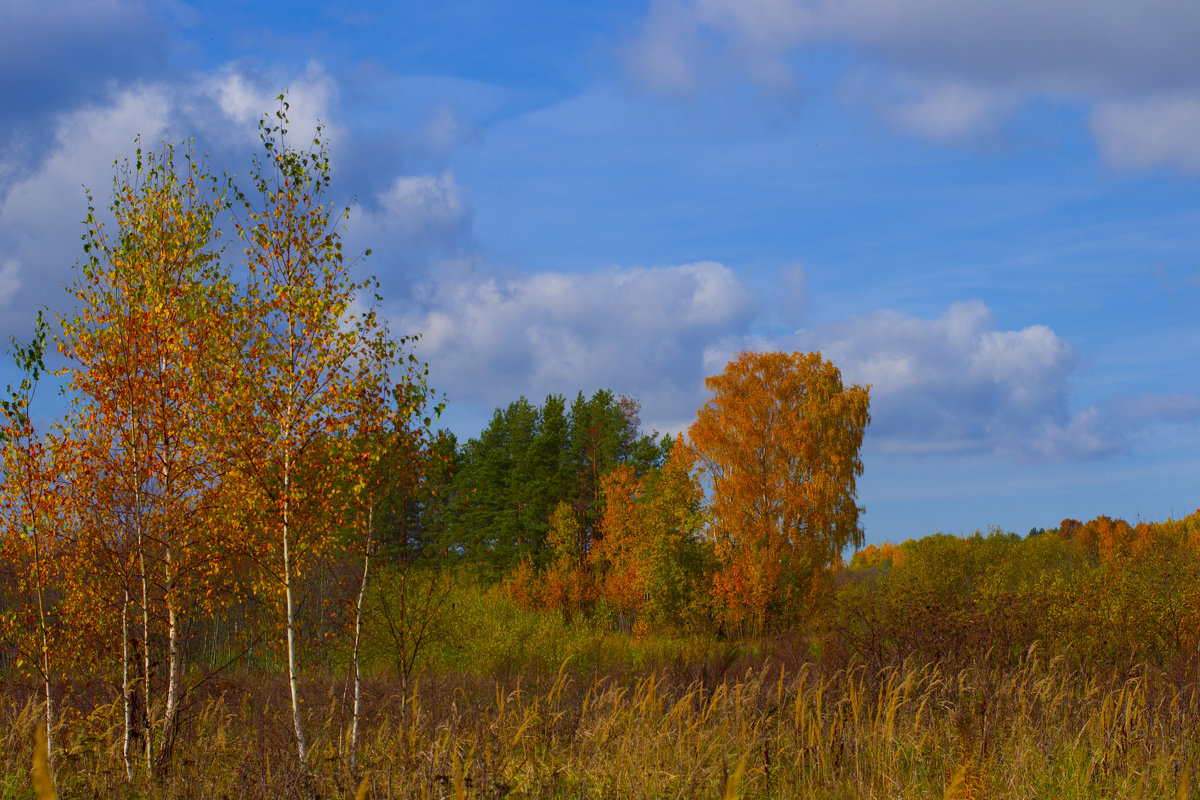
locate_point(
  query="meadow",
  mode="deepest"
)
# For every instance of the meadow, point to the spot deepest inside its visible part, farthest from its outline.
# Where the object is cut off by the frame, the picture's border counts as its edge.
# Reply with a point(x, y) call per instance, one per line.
point(518, 703)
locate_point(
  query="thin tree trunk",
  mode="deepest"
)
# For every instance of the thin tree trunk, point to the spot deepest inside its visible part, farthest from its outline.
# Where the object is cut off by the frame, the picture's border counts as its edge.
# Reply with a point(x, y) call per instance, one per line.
point(134, 433)
point(49, 709)
point(145, 721)
point(43, 636)
point(173, 649)
point(293, 679)
point(125, 686)
point(173, 665)
point(362, 591)
point(45, 645)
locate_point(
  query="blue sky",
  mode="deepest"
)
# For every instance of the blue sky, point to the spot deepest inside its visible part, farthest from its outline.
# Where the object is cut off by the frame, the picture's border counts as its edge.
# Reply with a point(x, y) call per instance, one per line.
point(988, 211)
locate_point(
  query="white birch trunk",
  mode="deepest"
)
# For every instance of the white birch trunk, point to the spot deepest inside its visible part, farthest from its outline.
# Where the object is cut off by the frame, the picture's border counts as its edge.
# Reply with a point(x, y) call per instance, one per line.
point(125, 687)
point(293, 678)
point(44, 642)
point(362, 590)
point(173, 665)
point(173, 649)
point(145, 722)
point(46, 686)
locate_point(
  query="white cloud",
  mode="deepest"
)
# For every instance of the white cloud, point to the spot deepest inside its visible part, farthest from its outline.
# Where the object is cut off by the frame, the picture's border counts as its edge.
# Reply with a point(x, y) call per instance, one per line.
point(85, 143)
point(40, 214)
point(42, 205)
point(956, 384)
point(947, 386)
point(420, 207)
point(58, 56)
point(243, 97)
point(973, 63)
point(640, 331)
point(950, 111)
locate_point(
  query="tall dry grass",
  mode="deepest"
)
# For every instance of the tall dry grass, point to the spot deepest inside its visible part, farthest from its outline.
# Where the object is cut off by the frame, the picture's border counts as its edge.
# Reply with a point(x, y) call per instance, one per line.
point(907, 731)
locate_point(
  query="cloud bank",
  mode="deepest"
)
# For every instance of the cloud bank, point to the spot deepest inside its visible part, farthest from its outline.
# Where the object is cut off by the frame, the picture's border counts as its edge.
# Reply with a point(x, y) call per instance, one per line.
point(956, 385)
point(951, 70)
point(953, 385)
point(43, 200)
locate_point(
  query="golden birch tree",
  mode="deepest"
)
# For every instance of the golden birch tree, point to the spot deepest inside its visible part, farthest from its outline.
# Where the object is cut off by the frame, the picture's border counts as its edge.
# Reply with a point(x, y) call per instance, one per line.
point(140, 346)
point(779, 442)
point(296, 342)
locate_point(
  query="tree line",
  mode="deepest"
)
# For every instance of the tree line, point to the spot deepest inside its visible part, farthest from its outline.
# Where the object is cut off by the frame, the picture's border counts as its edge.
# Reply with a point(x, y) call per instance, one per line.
point(1101, 595)
point(735, 528)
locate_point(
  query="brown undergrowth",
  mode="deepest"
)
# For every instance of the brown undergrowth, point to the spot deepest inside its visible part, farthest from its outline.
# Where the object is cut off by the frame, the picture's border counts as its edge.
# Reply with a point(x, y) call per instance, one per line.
point(753, 728)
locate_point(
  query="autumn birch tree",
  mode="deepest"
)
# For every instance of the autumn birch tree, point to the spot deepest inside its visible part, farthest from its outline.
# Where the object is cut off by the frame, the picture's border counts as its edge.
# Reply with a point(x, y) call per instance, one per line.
point(295, 336)
point(779, 441)
point(140, 351)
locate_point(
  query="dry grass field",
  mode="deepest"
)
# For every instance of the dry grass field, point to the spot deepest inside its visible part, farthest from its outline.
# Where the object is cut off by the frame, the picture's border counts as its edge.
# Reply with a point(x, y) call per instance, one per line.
point(751, 728)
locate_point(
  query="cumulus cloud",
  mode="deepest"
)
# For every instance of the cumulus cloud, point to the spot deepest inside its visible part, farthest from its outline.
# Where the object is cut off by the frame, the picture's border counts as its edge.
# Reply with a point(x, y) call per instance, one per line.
point(640, 331)
point(953, 385)
point(420, 208)
point(243, 96)
point(1077, 45)
point(951, 70)
point(956, 384)
point(41, 205)
point(40, 215)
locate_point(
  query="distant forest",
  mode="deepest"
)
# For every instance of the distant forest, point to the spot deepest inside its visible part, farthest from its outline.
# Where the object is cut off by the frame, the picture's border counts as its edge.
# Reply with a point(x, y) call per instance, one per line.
point(1103, 591)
